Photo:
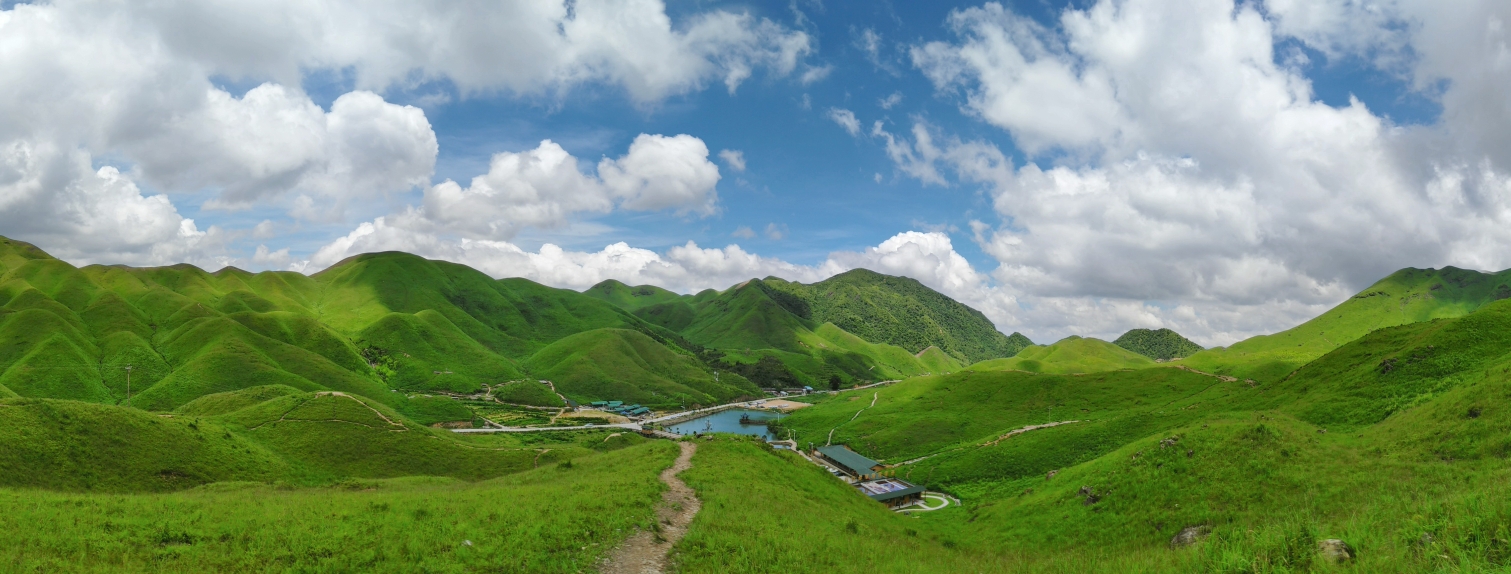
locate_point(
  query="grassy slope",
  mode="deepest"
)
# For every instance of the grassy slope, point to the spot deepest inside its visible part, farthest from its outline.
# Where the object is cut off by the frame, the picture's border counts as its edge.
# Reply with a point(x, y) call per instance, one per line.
point(632, 298)
point(1069, 355)
point(1406, 296)
point(1157, 343)
point(1412, 474)
point(371, 323)
point(754, 320)
point(527, 392)
point(265, 434)
point(903, 312)
point(766, 511)
point(232, 401)
point(69, 445)
point(619, 364)
point(553, 519)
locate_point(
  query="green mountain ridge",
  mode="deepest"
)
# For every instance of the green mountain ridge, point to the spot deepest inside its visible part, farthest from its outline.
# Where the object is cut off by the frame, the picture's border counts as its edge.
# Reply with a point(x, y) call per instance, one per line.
point(380, 322)
point(1406, 296)
point(1158, 344)
point(279, 436)
point(1072, 354)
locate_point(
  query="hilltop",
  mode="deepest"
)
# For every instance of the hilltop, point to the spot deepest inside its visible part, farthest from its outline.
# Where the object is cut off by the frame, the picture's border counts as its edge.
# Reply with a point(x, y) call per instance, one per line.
point(900, 311)
point(1406, 296)
point(1072, 354)
point(1161, 344)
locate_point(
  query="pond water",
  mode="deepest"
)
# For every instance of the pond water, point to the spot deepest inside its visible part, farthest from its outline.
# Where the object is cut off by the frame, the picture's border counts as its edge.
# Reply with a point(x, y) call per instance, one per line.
point(725, 421)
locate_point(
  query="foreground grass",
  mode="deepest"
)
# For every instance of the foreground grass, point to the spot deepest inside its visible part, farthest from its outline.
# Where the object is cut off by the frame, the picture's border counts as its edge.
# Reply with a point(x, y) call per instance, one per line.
point(560, 518)
point(769, 511)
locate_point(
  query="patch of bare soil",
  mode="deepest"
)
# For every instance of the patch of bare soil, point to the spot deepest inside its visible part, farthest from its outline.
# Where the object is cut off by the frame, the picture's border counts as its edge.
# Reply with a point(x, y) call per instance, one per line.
point(645, 551)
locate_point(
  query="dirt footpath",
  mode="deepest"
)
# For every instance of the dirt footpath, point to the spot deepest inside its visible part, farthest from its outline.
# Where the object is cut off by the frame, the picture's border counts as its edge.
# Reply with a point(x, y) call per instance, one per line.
point(645, 551)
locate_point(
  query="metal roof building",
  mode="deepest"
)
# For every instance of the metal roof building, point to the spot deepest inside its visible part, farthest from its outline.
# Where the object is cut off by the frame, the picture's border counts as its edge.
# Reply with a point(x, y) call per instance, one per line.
point(891, 491)
point(851, 462)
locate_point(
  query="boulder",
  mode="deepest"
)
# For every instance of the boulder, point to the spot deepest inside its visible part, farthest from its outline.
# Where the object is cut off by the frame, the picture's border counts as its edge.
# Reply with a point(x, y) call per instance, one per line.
point(1189, 535)
point(1335, 550)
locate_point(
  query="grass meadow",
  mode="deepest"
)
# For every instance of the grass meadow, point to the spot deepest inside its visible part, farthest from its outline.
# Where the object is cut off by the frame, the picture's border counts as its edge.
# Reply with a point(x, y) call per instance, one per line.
point(558, 518)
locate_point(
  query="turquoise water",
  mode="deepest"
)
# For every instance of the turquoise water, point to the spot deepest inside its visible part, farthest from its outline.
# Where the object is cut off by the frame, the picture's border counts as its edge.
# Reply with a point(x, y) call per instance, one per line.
point(725, 421)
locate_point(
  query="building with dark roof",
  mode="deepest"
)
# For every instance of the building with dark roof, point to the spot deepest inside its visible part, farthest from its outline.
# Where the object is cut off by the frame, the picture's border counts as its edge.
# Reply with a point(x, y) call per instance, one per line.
point(850, 462)
point(892, 492)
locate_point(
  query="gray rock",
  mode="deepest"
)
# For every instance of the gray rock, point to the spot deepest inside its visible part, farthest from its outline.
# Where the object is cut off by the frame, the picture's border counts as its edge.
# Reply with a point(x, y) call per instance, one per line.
point(1189, 535)
point(1335, 550)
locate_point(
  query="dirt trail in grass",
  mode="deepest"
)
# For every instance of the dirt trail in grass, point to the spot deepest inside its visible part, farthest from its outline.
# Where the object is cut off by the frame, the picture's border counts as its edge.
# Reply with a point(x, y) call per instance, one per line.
point(852, 418)
point(645, 551)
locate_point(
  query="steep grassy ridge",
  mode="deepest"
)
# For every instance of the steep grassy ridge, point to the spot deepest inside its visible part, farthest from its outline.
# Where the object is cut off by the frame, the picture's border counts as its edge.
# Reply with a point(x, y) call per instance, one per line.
point(632, 298)
point(553, 519)
point(753, 322)
point(1157, 344)
point(1069, 355)
point(900, 311)
point(385, 321)
point(1406, 296)
point(626, 365)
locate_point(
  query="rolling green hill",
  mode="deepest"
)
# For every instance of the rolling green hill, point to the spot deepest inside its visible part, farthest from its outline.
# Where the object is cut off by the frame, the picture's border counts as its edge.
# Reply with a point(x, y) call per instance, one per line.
point(1161, 344)
point(392, 321)
point(632, 298)
point(626, 365)
point(900, 311)
point(1080, 456)
point(1406, 296)
point(1069, 355)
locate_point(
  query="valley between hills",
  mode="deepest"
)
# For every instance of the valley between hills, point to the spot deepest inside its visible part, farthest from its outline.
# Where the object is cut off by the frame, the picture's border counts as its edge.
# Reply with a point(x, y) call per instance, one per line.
point(172, 419)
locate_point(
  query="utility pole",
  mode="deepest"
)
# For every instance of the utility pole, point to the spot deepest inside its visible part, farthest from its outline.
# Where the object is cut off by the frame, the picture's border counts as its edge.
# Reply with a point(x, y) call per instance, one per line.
point(128, 383)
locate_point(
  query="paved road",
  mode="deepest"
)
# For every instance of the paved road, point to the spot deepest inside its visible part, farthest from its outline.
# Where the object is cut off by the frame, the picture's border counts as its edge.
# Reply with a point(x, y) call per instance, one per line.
point(628, 426)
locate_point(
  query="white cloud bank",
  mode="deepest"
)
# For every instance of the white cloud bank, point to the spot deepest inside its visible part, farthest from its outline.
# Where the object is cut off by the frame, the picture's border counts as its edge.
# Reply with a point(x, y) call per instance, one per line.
point(129, 85)
point(1174, 161)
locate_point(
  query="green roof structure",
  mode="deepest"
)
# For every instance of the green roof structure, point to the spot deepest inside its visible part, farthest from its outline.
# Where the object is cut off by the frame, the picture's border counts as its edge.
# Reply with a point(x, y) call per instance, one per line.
point(849, 460)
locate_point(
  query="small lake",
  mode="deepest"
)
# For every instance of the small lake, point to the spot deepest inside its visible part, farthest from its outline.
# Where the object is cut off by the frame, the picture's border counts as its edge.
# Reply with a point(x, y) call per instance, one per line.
point(725, 421)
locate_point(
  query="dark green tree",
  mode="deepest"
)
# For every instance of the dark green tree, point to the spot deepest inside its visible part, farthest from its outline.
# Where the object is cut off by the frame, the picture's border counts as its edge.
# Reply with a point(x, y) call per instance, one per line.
point(834, 382)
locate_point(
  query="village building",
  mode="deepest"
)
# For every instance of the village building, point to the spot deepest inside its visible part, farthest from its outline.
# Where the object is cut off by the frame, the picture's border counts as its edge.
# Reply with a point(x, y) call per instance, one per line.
point(893, 492)
point(850, 462)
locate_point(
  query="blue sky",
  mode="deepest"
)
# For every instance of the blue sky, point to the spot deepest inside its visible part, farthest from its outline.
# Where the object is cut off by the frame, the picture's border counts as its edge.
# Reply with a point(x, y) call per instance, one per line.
point(1223, 169)
point(806, 174)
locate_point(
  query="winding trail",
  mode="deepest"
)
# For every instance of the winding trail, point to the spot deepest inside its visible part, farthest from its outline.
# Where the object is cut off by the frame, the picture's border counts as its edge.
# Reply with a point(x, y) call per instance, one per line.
point(645, 551)
point(830, 440)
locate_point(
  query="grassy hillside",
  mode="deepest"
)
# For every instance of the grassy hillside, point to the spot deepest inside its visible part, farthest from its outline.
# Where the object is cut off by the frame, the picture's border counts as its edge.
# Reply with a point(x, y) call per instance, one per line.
point(772, 511)
point(367, 326)
point(1406, 296)
point(632, 298)
point(1267, 470)
point(70, 445)
point(619, 364)
point(1069, 355)
point(900, 311)
point(552, 519)
point(1161, 344)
